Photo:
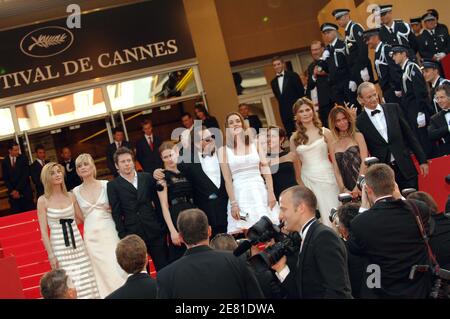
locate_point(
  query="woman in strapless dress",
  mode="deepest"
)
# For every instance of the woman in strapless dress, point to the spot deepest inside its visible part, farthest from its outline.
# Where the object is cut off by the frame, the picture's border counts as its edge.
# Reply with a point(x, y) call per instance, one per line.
point(311, 144)
point(348, 151)
point(58, 210)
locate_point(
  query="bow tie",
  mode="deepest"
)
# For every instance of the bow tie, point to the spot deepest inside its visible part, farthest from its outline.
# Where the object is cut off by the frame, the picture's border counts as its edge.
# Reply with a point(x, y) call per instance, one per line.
point(374, 112)
point(280, 75)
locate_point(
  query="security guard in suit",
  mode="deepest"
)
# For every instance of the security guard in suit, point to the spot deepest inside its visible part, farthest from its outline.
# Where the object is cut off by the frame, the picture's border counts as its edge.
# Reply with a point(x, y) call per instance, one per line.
point(415, 100)
point(434, 42)
point(395, 32)
point(389, 73)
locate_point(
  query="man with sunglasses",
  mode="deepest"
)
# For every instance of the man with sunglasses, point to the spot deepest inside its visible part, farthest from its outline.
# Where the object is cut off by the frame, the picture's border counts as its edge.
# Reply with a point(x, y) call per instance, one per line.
point(200, 164)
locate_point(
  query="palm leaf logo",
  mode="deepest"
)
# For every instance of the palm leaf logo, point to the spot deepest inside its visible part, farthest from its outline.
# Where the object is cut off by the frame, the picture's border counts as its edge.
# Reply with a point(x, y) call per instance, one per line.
point(45, 41)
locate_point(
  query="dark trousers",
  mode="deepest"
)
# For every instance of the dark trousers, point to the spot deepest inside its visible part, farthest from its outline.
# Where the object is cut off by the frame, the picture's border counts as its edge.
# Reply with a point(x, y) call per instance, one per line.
point(324, 110)
point(288, 121)
point(157, 249)
point(21, 205)
point(403, 182)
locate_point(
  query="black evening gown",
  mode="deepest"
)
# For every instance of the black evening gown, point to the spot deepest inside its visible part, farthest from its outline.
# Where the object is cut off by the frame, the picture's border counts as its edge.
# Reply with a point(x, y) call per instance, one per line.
point(349, 163)
point(180, 197)
point(283, 176)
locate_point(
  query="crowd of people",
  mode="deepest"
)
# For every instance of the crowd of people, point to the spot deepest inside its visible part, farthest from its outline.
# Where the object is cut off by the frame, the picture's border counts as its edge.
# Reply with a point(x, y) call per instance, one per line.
point(217, 185)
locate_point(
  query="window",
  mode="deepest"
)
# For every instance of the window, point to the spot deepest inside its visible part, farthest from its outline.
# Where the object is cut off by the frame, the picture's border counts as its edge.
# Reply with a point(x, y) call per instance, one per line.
point(6, 122)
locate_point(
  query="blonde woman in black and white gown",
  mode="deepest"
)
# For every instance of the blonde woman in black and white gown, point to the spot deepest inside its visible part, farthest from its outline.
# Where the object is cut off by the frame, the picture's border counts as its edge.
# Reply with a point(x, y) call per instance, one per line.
point(58, 210)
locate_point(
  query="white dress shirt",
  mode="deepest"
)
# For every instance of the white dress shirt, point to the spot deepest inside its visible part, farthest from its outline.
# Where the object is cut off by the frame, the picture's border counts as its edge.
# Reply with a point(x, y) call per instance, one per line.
point(135, 180)
point(379, 121)
point(447, 119)
point(211, 167)
point(280, 81)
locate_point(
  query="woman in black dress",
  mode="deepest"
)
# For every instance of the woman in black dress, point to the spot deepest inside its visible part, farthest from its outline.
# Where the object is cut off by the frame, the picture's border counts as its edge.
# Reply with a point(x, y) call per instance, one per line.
point(175, 195)
point(284, 165)
point(202, 114)
point(348, 150)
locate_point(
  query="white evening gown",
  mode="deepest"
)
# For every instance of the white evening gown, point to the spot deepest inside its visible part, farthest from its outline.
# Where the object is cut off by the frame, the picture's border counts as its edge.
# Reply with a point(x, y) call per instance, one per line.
point(100, 238)
point(249, 190)
point(318, 175)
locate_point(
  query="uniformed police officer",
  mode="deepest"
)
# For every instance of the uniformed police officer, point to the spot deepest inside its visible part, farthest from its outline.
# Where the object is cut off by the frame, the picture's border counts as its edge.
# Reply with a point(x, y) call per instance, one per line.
point(394, 32)
point(389, 73)
point(416, 25)
point(434, 42)
point(431, 74)
point(355, 47)
point(415, 100)
point(335, 64)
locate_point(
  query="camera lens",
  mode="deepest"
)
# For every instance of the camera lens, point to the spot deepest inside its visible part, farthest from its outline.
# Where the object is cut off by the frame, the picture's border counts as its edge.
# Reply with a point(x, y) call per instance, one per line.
point(360, 182)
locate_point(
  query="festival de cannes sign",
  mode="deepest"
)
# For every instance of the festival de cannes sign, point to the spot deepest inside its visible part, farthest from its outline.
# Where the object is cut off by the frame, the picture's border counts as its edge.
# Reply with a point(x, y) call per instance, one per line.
point(109, 42)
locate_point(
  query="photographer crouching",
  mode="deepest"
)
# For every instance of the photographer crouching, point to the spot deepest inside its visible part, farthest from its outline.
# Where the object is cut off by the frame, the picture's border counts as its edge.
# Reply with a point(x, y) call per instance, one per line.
point(321, 271)
point(388, 235)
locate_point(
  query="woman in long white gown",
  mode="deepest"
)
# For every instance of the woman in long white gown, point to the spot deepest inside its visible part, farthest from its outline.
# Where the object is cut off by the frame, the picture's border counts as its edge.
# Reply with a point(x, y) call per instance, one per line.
point(100, 235)
point(311, 143)
point(242, 167)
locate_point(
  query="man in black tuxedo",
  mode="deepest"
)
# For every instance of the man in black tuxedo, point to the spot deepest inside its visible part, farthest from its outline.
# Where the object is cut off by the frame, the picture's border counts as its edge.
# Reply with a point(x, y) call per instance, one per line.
point(36, 168)
point(147, 152)
point(201, 166)
point(130, 197)
point(204, 273)
point(72, 179)
point(389, 137)
point(17, 179)
point(388, 235)
point(119, 141)
point(322, 270)
point(439, 129)
point(131, 254)
point(287, 88)
point(318, 81)
point(253, 120)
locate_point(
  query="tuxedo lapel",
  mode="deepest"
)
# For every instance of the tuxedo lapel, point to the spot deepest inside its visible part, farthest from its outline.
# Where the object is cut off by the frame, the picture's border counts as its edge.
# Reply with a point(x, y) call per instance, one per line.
point(371, 128)
point(199, 170)
point(127, 185)
point(389, 126)
point(285, 81)
point(141, 185)
point(301, 257)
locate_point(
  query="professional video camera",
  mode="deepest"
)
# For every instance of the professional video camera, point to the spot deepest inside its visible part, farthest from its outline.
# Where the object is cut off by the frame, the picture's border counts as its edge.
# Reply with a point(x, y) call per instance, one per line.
point(343, 198)
point(263, 231)
point(361, 178)
point(441, 280)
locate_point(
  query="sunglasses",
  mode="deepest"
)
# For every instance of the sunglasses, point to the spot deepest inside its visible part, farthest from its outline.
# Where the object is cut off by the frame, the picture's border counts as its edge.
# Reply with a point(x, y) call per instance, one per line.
point(208, 138)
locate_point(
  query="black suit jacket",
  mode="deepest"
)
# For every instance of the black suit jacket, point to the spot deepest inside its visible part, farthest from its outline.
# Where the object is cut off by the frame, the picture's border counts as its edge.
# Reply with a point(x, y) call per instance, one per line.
point(132, 210)
point(17, 178)
point(292, 90)
point(35, 173)
point(110, 150)
point(322, 83)
point(254, 122)
point(400, 138)
point(403, 33)
point(204, 273)
point(137, 286)
point(438, 132)
point(212, 200)
point(149, 160)
point(72, 179)
point(322, 269)
point(387, 234)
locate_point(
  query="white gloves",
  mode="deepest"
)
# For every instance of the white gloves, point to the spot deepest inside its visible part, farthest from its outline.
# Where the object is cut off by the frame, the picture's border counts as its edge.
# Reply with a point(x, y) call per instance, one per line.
point(398, 93)
point(365, 75)
point(352, 86)
point(439, 56)
point(421, 121)
point(325, 55)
